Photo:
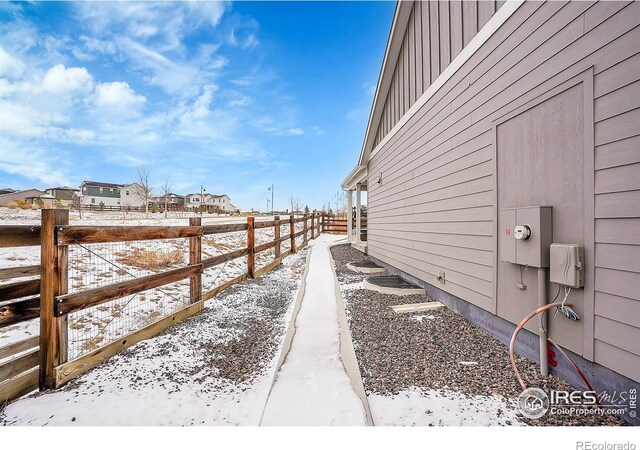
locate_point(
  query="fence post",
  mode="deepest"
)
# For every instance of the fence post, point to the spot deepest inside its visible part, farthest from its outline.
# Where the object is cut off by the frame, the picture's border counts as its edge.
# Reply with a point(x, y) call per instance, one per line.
point(318, 224)
point(304, 228)
point(276, 232)
point(53, 274)
point(323, 220)
point(313, 225)
point(251, 258)
point(195, 257)
point(293, 234)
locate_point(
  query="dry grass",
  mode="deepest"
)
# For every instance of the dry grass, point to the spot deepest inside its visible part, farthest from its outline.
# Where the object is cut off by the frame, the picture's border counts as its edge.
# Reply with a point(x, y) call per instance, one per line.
point(20, 204)
point(92, 344)
point(150, 259)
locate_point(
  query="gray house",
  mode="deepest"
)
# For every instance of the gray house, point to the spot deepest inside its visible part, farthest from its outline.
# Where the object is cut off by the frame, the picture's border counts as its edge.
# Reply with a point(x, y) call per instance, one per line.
point(63, 194)
point(93, 193)
point(28, 195)
point(483, 109)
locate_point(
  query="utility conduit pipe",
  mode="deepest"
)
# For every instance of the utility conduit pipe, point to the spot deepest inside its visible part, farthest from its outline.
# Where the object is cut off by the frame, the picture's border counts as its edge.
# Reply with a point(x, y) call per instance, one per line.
point(542, 301)
point(514, 337)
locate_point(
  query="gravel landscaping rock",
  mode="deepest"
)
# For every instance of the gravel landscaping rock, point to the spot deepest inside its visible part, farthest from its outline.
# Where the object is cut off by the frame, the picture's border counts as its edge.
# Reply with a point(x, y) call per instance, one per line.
point(438, 349)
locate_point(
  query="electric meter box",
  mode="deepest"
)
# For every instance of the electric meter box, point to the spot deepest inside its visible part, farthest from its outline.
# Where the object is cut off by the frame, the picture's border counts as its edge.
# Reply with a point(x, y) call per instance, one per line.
point(567, 265)
point(525, 235)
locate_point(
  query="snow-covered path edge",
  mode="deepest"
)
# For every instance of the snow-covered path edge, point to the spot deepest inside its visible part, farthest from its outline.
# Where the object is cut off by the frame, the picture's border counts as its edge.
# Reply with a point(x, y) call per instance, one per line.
point(312, 386)
point(347, 351)
point(291, 330)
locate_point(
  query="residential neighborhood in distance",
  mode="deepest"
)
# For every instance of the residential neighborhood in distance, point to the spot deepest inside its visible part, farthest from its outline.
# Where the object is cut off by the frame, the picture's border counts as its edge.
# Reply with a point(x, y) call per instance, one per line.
point(97, 195)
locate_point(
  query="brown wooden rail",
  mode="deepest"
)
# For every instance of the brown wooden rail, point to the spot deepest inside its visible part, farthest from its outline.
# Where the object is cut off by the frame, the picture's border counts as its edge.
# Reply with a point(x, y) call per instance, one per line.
point(19, 272)
point(93, 235)
point(19, 235)
point(68, 303)
point(20, 310)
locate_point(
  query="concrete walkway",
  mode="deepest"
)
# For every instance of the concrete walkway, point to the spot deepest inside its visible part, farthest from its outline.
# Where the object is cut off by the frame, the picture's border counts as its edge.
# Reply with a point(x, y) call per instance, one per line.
point(312, 386)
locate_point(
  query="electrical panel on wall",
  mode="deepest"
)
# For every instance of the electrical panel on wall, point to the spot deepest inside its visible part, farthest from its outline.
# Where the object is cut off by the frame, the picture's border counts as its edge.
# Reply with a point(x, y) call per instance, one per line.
point(567, 265)
point(526, 235)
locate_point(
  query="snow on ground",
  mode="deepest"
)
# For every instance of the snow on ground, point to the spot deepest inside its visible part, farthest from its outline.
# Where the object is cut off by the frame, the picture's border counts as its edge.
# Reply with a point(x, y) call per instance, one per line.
point(216, 368)
point(428, 407)
point(312, 387)
point(94, 265)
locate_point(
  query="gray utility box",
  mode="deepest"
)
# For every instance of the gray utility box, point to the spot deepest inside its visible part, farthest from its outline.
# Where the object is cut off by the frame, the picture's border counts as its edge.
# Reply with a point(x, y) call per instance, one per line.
point(567, 265)
point(533, 227)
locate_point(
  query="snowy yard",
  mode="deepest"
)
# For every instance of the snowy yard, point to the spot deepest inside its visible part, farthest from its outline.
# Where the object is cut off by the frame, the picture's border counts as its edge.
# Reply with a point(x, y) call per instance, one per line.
point(215, 368)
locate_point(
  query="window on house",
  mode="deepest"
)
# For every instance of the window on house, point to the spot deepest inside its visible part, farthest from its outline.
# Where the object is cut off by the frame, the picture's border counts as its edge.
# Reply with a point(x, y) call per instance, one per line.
point(93, 200)
point(126, 193)
point(118, 191)
point(101, 190)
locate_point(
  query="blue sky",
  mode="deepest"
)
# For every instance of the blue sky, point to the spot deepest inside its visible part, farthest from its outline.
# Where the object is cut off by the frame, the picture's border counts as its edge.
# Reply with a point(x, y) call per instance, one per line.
point(234, 96)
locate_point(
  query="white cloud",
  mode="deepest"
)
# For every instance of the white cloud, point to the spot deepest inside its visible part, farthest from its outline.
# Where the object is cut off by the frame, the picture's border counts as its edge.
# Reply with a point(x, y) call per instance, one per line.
point(60, 80)
point(165, 22)
point(32, 162)
point(294, 132)
point(23, 120)
point(117, 94)
point(10, 67)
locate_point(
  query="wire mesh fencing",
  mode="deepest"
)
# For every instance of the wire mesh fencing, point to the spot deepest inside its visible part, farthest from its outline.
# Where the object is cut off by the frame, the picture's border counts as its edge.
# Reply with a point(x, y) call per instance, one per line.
point(231, 268)
point(97, 265)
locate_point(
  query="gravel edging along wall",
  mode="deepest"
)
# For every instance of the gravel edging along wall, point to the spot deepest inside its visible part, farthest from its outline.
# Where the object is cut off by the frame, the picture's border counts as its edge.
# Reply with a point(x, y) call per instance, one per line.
point(432, 350)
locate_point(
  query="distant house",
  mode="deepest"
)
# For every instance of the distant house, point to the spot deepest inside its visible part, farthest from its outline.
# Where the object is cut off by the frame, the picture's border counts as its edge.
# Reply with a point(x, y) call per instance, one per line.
point(93, 193)
point(28, 195)
point(174, 202)
point(63, 194)
point(212, 203)
point(44, 200)
point(132, 195)
point(192, 202)
point(7, 191)
point(222, 203)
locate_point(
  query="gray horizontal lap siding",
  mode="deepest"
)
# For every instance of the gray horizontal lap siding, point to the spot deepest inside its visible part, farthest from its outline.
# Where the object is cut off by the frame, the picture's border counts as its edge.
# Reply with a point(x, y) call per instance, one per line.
point(435, 208)
point(93, 191)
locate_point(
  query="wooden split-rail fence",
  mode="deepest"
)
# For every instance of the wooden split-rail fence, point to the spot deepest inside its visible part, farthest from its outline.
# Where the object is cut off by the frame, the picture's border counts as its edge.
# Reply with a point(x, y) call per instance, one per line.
point(42, 361)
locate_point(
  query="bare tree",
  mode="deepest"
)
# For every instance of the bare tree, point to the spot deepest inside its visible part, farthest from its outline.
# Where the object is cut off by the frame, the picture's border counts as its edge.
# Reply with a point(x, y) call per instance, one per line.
point(296, 204)
point(143, 189)
point(166, 192)
point(78, 200)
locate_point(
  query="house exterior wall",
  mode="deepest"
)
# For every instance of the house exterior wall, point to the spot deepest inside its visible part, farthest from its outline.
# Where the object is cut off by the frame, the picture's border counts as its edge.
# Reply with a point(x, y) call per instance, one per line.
point(434, 35)
point(94, 195)
point(5, 199)
point(130, 195)
point(437, 207)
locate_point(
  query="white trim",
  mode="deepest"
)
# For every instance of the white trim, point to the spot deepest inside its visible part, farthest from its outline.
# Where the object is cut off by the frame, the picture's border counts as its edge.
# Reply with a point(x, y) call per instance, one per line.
point(394, 44)
point(357, 175)
point(496, 21)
